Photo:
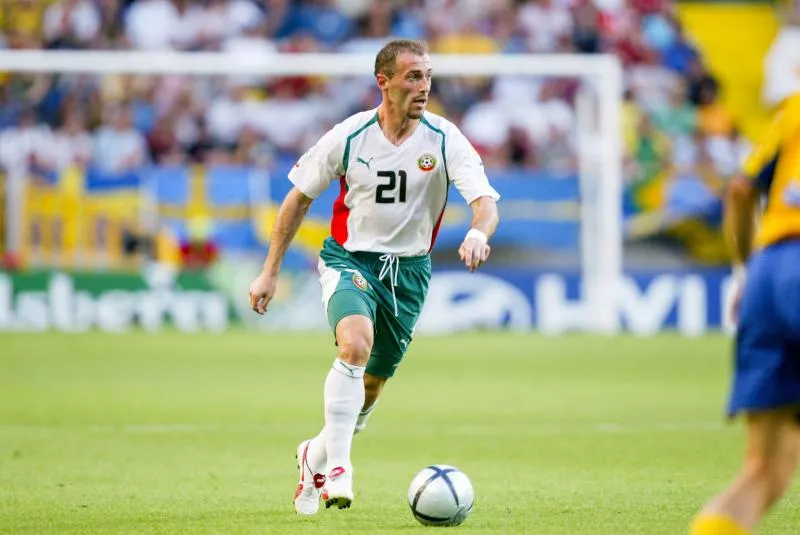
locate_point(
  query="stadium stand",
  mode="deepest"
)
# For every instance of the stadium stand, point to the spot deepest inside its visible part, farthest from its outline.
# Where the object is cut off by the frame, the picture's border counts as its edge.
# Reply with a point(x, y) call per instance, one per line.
point(197, 144)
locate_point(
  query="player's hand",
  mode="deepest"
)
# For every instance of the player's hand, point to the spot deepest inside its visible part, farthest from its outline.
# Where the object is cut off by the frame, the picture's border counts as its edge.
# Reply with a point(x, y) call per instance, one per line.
point(262, 289)
point(473, 253)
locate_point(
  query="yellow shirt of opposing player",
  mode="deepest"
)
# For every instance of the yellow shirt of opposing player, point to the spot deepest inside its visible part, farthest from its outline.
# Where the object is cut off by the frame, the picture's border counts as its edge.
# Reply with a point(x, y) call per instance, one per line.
point(775, 167)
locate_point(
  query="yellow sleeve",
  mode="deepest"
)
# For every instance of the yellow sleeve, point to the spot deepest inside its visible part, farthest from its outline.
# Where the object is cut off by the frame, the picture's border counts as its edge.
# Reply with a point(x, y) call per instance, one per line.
point(760, 164)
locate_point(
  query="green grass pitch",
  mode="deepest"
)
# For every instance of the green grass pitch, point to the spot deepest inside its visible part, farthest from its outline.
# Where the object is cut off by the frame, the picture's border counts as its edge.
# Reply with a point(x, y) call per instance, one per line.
point(177, 433)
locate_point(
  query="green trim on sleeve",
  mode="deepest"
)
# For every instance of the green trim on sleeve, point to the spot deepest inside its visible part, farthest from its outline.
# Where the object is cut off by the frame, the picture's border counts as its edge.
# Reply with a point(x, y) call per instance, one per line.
point(350, 138)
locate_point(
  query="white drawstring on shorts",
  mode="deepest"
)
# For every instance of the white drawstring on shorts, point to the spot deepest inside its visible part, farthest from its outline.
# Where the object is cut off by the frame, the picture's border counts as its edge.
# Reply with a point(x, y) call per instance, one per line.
point(391, 267)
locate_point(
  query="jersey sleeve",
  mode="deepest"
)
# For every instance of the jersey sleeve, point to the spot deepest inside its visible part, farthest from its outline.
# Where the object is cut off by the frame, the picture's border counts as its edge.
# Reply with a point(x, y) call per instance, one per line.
point(760, 164)
point(465, 168)
point(321, 164)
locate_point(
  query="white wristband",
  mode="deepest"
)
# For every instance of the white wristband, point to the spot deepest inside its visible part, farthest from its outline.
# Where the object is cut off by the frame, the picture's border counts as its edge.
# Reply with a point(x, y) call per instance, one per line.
point(477, 234)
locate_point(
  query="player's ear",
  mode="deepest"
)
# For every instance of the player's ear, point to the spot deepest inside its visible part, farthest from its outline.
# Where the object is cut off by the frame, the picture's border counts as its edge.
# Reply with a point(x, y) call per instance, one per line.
point(382, 80)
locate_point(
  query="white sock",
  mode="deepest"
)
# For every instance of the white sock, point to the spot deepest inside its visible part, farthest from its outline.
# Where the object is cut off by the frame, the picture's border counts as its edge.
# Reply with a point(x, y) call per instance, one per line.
point(344, 397)
point(363, 416)
point(316, 456)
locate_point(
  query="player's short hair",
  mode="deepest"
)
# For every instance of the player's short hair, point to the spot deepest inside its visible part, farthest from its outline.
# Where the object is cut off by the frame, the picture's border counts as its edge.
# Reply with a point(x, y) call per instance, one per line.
point(386, 60)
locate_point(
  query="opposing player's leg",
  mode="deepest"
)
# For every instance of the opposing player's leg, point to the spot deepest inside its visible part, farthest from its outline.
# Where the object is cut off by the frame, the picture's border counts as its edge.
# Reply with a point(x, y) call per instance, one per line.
point(773, 448)
point(766, 388)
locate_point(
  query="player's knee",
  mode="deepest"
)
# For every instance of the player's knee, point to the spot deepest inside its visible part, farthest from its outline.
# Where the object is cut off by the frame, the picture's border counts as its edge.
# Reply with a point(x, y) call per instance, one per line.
point(355, 349)
point(354, 336)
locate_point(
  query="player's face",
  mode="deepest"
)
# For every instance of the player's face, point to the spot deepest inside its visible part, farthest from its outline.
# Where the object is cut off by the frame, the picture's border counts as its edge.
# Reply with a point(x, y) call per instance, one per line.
point(410, 86)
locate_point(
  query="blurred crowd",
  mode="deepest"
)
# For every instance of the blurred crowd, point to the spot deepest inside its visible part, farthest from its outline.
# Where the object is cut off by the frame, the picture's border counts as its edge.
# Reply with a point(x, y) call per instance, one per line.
point(673, 116)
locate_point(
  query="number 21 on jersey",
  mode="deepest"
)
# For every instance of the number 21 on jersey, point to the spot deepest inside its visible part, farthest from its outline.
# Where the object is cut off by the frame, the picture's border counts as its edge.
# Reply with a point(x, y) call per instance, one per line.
point(385, 192)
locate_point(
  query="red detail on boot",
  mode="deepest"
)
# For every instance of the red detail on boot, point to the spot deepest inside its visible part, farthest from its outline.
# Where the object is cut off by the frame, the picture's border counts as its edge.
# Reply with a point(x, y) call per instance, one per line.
point(336, 472)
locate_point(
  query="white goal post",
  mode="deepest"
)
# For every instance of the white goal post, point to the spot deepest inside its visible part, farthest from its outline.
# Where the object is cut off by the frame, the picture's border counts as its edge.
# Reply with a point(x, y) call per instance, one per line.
point(600, 153)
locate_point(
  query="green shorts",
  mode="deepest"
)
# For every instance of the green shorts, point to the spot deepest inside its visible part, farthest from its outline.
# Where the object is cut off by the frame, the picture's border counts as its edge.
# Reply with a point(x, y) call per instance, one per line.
point(351, 286)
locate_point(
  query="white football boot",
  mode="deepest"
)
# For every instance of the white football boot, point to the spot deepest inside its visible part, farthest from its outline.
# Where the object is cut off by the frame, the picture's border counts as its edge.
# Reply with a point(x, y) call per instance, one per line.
point(338, 490)
point(306, 498)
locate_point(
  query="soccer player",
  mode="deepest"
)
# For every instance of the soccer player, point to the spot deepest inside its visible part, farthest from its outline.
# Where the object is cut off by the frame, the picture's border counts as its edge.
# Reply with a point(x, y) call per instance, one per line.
point(766, 383)
point(394, 165)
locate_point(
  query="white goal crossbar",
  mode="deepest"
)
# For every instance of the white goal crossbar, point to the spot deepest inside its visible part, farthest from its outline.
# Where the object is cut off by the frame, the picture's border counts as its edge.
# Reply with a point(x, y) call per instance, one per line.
point(602, 259)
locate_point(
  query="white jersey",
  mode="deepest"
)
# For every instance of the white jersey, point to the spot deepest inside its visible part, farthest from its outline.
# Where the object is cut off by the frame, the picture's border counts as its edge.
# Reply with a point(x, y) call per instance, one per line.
point(392, 198)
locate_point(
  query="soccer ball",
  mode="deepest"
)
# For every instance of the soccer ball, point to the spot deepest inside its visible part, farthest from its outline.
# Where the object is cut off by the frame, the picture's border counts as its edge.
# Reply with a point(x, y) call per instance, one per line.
point(441, 495)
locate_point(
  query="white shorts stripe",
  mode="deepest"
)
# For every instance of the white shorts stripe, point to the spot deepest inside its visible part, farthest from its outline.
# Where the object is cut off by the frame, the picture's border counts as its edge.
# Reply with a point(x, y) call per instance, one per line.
point(329, 280)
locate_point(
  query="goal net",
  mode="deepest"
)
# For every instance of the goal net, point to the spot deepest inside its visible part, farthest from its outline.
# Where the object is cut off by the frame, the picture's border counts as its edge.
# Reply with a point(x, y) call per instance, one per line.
point(37, 218)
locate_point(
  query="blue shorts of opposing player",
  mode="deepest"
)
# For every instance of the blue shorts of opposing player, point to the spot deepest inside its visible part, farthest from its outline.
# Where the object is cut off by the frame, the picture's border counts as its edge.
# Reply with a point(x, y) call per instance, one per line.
point(767, 371)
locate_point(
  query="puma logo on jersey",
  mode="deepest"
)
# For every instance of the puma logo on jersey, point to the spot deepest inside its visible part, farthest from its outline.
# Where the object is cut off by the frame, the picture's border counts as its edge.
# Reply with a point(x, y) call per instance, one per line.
point(365, 162)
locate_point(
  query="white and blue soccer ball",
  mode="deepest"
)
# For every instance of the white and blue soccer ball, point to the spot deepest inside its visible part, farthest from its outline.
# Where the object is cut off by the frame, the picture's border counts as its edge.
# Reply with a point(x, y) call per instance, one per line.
point(441, 495)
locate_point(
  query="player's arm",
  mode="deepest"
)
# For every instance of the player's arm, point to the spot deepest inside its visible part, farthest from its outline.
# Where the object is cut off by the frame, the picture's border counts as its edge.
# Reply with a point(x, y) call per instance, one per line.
point(311, 175)
point(466, 170)
point(741, 203)
point(485, 215)
point(290, 215)
point(743, 192)
point(474, 250)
